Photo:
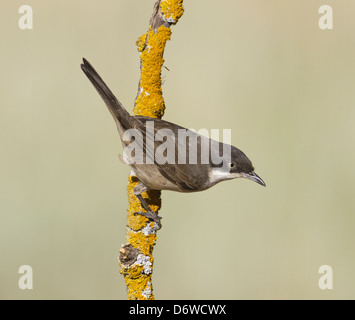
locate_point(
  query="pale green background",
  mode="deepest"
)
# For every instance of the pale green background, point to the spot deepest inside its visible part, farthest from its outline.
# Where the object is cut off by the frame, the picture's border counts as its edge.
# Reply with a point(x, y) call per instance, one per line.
point(262, 68)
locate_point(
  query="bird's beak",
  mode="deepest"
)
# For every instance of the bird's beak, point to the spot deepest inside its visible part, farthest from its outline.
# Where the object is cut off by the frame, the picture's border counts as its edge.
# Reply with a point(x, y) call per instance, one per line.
point(254, 177)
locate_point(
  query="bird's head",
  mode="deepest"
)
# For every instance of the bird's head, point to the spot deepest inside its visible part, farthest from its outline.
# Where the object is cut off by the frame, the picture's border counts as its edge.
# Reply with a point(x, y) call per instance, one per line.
point(241, 167)
point(237, 166)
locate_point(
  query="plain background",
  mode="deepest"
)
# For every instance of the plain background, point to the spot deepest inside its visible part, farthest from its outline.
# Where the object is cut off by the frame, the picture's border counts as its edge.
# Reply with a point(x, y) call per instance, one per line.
point(261, 68)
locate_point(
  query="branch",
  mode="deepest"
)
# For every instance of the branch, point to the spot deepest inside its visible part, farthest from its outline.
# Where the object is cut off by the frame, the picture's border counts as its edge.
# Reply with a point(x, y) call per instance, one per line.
point(136, 257)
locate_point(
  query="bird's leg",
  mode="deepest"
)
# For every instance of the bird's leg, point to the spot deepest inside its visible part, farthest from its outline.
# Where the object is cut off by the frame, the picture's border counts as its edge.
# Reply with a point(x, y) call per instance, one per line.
point(150, 214)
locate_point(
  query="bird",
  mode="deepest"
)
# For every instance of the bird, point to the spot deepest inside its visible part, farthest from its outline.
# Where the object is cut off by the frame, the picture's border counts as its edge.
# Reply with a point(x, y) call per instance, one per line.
point(186, 169)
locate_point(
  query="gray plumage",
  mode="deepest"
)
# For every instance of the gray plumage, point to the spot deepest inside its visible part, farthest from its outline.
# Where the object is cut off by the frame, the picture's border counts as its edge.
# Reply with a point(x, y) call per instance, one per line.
point(176, 176)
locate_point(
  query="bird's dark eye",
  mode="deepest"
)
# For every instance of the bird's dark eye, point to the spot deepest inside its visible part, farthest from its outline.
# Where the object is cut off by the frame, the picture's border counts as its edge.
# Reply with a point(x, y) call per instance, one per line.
point(232, 165)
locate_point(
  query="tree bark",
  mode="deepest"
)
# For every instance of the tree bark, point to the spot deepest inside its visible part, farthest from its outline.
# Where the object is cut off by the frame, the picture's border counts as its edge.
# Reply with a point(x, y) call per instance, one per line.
point(136, 257)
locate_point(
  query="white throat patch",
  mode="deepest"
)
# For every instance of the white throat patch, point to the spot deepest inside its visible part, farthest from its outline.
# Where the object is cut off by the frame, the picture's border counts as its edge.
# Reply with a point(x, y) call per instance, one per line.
point(218, 174)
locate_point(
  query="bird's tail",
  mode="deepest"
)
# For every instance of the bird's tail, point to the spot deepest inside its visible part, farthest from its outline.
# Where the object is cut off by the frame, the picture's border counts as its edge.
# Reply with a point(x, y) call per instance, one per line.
point(122, 118)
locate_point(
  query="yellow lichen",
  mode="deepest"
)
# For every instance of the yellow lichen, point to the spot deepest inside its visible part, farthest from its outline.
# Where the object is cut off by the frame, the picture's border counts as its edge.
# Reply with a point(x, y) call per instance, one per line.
point(150, 101)
point(137, 286)
point(141, 42)
point(134, 271)
point(142, 242)
point(172, 10)
point(137, 282)
point(134, 221)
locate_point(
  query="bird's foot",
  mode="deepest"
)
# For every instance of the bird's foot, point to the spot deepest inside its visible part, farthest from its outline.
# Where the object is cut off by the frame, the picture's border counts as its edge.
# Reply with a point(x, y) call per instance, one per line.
point(153, 216)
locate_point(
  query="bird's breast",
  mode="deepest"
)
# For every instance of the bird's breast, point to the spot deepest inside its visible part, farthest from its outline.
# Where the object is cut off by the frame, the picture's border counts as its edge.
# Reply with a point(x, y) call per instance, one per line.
point(150, 176)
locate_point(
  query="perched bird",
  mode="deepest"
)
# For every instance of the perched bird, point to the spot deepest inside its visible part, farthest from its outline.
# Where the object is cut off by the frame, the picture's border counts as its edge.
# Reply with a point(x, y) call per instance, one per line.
point(178, 166)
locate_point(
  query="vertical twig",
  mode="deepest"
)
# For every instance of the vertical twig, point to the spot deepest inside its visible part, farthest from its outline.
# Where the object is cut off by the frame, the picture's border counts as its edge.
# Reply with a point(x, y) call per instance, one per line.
point(136, 257)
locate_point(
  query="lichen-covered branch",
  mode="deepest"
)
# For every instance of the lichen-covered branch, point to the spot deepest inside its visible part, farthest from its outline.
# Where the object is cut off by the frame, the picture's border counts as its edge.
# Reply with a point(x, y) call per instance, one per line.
point(136, 257)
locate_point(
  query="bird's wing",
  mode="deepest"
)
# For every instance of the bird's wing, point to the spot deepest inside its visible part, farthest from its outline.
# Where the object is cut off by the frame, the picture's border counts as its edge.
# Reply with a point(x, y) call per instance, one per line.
point(188, 176)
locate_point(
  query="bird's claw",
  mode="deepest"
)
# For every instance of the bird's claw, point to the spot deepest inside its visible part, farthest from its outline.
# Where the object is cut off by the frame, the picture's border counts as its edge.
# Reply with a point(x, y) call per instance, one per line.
point(153, 216)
